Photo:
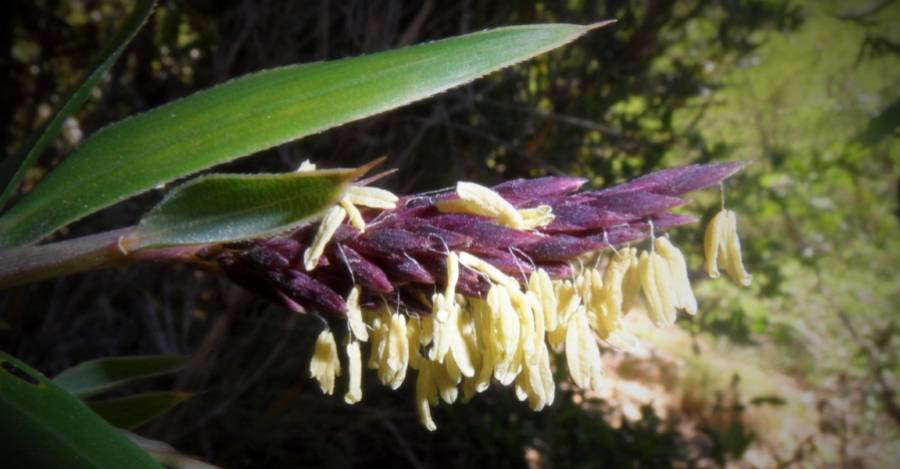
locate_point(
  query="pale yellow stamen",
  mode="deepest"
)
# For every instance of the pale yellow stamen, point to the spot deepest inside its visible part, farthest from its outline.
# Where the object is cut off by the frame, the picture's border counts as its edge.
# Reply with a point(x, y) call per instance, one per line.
point(493, 273)
point(734, 263)
point(631, 282)
point(540, 330)
point(594, 298)
point(426, 391)
point(536, 380)
point(567, 301)
point(414, 337)
point(327, 227)
point(448, 323)
point(325, 365)
point(684, 295)
point(380, 320)
point(658, 287)
point(523, 309)
point(469, 331)
point(484, 324)
point(396, 357)
point(546, 374)
point(426, 330)
point(479, 200)
point(542, 287)
point(452, 275)
point(536, 217)
point(443, 329)
point(567, 298)
point(447, 377)
point(712, 242)
point(460, 351)
point(722, 243)
point(354, 215)
point(372, 197)
point(354, 367)
point(505, 332)
point(355, 316)
point(390, 348)
point(666, 286)
point(582, 352)
point(610, 320)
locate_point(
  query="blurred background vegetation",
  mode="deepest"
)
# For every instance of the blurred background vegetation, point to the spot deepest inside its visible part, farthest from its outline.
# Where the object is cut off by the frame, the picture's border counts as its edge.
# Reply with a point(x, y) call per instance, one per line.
point(799, 370)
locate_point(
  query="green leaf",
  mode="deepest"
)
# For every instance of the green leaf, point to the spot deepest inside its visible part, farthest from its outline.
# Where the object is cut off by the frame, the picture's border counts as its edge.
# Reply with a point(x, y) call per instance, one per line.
point(14, 167)
point(260, 111)
point(43, 426)
point(133, 411)
point(230, 207)
point(166, 454)
point(96, 376)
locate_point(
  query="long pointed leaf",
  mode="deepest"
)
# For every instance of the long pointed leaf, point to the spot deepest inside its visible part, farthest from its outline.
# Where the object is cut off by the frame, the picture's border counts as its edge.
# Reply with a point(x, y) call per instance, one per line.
point(96, 376)
point(231, 207)
point(43, 426)
point(257, 112)
point(166, 454)
point(133, 411)
point(14, 167)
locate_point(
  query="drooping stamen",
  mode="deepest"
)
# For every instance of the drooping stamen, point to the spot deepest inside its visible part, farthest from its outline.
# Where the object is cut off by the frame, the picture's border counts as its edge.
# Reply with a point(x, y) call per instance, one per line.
point(325, 365)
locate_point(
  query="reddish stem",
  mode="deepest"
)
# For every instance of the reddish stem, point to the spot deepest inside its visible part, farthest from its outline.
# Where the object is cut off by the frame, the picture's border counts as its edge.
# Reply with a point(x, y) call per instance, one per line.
point(20, 266)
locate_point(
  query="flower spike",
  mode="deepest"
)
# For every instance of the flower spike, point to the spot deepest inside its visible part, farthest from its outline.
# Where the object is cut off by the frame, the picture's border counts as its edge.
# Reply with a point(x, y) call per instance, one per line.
point(476, 285)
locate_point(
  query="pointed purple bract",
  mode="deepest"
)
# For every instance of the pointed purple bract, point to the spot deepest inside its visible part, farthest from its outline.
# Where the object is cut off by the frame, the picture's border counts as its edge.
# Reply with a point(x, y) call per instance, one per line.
point(677, 181)
point(484, 232)
point(664, 221)
point(403, 268)
point(621, 234)
point(453, 220)
point(246, 276)
point(287, 247)
point(390, 241)
point(308, 291)
point(523, 190)
point(265, 256)
point(442, 237)
point(343, 234)
point(559, 248)
point(366, 273)
point(635, 204)
point(699, 177)
point(576, 217)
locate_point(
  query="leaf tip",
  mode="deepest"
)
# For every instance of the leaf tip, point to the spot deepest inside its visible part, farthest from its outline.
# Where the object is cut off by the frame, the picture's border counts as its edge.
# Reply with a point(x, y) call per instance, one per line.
point(364, 169)
point(600, 24)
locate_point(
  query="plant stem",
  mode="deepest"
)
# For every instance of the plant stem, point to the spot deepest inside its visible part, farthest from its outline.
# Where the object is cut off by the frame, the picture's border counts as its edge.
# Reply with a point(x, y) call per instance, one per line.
point(20, 266)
